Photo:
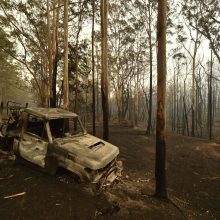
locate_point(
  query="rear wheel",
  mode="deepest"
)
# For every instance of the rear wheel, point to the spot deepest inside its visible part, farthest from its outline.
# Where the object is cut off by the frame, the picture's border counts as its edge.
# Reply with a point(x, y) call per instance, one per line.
point(6, 143)
point(9, 143)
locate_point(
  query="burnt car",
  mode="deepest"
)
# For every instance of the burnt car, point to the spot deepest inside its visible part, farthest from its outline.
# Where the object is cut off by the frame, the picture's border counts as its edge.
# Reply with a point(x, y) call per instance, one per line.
point(54, 138)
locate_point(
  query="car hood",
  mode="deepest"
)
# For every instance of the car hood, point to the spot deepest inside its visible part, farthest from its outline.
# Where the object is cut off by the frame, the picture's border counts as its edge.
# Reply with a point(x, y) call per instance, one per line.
point(89, 151)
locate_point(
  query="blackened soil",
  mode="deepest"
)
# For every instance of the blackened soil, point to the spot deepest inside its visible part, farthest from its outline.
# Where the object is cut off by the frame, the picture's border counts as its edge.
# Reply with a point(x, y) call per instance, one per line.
point(193, 176)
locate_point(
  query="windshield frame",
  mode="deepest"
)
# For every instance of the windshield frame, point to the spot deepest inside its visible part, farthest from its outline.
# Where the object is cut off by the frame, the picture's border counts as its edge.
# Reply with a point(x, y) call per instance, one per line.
point(83, 132)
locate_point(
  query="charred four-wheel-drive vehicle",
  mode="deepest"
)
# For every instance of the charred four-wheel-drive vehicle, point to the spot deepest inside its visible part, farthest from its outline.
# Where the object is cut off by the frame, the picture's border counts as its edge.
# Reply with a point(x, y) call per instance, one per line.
point(54, 138)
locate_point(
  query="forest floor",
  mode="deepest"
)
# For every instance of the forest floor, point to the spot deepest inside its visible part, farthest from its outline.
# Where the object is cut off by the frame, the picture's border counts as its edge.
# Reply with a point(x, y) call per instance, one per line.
point(193, 179)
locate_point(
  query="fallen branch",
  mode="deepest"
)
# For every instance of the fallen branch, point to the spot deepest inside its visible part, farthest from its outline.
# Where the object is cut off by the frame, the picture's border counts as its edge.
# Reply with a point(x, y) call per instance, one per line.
point(211, 178)
point(6, 178)
point(28, 178)
point(15, 195)
point(181, 200)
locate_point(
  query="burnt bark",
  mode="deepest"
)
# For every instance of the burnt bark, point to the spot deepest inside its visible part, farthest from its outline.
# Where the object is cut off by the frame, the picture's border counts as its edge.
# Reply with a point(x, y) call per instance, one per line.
point(53, 99)
point(104, 75)
point(160, 166)
point(210, 105)
point(65, 71)
point(149, 123)
point(55, 59)
point(93, 73)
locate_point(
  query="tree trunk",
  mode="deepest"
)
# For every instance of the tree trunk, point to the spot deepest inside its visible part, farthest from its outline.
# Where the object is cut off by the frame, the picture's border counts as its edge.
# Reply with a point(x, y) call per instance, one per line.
point(49, 51)
point(210, 100)
point(193, 84)
point(1, 111)
point(44, 82)
point(76, 107)
point(104, 75)
point(149, 124)
point(160, 170)
point(177, 99)
point(136, 101)
point(53, 100)
point(174, 102)
point(93, 72)
point(53, 97)
point(65, 69)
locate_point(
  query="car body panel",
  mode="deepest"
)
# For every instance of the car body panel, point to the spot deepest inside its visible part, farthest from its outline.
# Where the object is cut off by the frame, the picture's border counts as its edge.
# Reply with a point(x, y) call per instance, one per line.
point(91, 151)
point(50, 113)
point(33, 149)
point(89, 157)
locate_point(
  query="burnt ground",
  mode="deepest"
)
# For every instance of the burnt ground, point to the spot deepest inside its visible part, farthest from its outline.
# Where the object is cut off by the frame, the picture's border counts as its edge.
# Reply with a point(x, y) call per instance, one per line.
point(193, 176)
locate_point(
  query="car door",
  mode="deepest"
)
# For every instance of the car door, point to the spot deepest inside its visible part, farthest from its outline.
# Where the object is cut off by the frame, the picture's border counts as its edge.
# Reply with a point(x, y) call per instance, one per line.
point(34, 141)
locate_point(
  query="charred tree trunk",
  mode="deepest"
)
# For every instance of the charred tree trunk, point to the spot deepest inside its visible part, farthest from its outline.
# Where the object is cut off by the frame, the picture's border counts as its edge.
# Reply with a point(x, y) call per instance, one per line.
point(93, 72)
point(53, 97)
point(177, 100)
point(65, 70)
point(44, 82)
point(210, 100)
point(49, 51)
point(76, 107)
point(160, 166)
point(185, 116)
point(174, 102)
point(193, 83)
point(53, 100)
point(149, 124)
point(104, 75)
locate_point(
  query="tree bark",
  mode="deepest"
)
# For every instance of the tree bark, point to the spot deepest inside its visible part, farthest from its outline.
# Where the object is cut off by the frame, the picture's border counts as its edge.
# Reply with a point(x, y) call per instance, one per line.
point(160, 166)
point(49, 52)
point(193, 83)
point(93, 73)
point(210, 100)
point(53, 97)
point(104, 75)
point(76, 107)
point(65, 69)
point(149, 124)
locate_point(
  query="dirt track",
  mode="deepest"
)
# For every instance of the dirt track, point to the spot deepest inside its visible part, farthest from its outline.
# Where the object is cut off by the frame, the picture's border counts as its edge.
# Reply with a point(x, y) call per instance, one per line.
point(193, 184)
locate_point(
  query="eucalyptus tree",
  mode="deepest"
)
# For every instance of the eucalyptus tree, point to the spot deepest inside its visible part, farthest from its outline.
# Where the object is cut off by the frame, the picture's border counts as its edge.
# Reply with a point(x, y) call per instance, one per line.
point(203, 15)
point(200, 113)
point(121, 38)
point(26, 24)
point(147, 13)
point(12, 85)
point(36, 27)
point(160, 167)
point(65, 68)
point(150, 9)
point(8, 71)
point(177, 104)
point(196, 40)
point(93, 69)
point(127, 57)
point(104, 75)
point(210, 99)
point(81, 13)
point(53, 47)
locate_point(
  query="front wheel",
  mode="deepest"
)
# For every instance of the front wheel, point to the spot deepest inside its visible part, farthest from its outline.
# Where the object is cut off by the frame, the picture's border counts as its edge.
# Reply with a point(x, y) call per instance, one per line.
point(96, 188)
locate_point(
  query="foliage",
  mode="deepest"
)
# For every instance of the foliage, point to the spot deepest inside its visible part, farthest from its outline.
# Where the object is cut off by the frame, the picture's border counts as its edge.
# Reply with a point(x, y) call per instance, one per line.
point(203, 15)
point(9, 73)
